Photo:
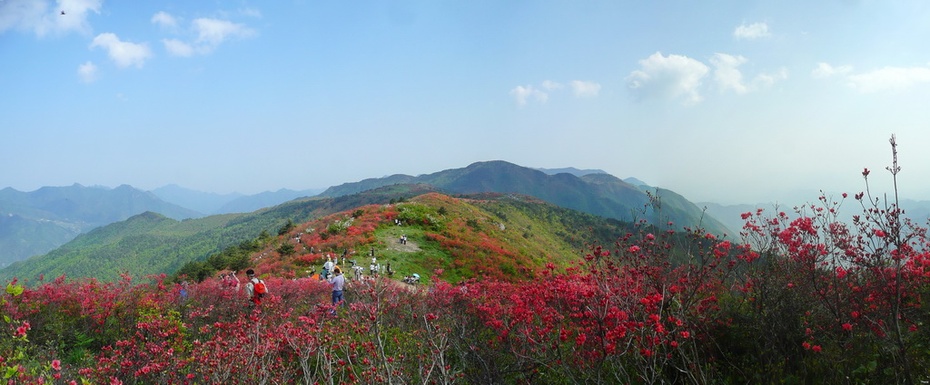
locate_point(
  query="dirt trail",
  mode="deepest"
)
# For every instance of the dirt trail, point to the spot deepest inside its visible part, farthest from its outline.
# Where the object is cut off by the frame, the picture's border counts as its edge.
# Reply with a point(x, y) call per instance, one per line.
point(409, 247)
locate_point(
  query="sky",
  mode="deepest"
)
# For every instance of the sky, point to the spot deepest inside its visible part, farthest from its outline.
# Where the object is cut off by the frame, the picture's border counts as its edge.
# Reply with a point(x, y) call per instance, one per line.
point(720, 101)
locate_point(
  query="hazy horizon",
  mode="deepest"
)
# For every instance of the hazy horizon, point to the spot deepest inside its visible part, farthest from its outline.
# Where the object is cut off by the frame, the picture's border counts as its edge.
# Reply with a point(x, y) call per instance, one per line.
point(735, 102)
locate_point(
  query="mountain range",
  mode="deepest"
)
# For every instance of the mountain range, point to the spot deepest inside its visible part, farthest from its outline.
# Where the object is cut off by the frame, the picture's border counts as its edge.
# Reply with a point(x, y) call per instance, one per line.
point(33, 223)
point(37, 222)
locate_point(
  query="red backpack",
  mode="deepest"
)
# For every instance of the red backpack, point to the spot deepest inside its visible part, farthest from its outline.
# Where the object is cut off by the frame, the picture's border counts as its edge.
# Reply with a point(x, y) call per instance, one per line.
point(259, 288)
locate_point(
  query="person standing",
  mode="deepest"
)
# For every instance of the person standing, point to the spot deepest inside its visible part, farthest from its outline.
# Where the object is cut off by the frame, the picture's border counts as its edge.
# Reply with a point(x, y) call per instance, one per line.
point(255, 288)
point(338, 281)
point(328, 267)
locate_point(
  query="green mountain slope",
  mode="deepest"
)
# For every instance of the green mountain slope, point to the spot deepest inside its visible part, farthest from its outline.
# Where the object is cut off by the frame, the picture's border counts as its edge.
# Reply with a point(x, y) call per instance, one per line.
point(488, 235)
point(596, 193)
point(39, 221)
point(150, 243)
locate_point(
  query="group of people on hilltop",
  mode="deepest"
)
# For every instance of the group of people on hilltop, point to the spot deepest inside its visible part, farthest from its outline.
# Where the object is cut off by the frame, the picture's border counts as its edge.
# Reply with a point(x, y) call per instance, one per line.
point(256, 290)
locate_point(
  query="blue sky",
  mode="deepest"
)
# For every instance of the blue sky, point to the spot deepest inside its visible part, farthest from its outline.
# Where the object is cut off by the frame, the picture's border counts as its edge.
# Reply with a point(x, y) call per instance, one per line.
point(730, 101)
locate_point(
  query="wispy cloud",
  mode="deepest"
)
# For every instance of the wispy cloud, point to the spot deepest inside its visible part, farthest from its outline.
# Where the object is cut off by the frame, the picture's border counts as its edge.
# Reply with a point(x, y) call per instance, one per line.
point(251, 12)
point(41, 18)
point(123, 53)
point(890, 79)
point(581, 89)
point(521, 94)
point(87, 72)
point(883, 79)
point(205, 34)
point(728, 76)
point(584, 89)
point(551, 85)
point(668, 77)
point(751, 31)
point(825, 70)
point(213, 32)
point(165, 20)
point(178, 48)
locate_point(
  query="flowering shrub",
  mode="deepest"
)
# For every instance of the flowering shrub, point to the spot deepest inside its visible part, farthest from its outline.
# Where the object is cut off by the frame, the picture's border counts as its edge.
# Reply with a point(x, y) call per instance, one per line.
point(804, 297)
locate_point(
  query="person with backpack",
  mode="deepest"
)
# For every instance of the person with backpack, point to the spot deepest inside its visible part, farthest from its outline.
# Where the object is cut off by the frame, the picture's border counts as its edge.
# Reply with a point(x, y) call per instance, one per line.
point(255, 289)
point(338, 281)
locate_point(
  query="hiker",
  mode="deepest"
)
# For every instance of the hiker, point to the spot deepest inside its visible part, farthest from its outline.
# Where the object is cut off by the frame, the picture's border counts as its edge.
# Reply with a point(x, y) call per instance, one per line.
point(412, 279)
point(255, 288)
point(338, 282)
point(183, 292)
point(327, 267)
point(230, 281)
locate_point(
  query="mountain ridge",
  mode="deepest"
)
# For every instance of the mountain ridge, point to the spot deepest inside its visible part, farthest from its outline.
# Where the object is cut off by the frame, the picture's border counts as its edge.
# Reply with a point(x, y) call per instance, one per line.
point(38, 221)
point(593, 193)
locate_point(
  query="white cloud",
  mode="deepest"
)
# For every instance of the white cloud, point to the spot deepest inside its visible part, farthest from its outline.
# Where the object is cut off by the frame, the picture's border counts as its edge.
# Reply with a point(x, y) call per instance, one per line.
point(825, 70)
point(40, 17)
point(889, 78)
point(87, 72)
point(752, 31)
point(521, 94)
point(178, 48)
point(251, 12)
point(668, 77)
point(551, 85)
point(209, 33)
point(768, 80)
point(728, 76)
point(165, 20)
point(884, 79)
point(585, 89)
point(124, 53)
point(213, 32)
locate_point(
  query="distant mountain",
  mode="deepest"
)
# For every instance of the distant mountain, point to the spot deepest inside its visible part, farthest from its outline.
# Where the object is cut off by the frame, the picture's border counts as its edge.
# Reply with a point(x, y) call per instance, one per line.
point(730, 215)
point(36, 222)
point(571, 170)
point(150, 243)
point(211, 203)
point(594, 193)
point(249, 203)
point(53, 210)
point(636, 182)
point(204, 202)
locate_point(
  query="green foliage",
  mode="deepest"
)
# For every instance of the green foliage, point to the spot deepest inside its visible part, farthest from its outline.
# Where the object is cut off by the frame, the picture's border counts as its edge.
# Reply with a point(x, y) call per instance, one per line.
point(285, 249)
point(286, 228)
point(420, 215)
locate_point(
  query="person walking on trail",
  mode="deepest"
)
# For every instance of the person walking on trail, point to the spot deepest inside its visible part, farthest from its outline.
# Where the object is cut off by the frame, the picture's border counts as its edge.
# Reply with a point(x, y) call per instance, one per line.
point(255, 289)
point(338, 281)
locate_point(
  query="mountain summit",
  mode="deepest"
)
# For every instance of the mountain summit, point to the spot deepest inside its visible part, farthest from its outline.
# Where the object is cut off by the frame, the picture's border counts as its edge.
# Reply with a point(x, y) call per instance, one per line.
point(594, 192)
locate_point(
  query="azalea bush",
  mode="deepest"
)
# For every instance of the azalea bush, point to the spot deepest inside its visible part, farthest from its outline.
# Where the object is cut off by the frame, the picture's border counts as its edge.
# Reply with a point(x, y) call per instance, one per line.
point(801, 297)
